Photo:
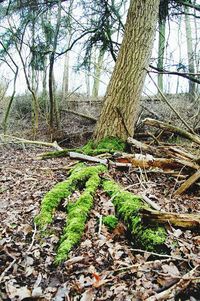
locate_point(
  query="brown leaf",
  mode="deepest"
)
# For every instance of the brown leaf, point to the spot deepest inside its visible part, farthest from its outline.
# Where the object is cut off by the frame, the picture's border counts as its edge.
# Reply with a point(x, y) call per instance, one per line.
point(14, 292)
point(170, 269)
point(88, 295)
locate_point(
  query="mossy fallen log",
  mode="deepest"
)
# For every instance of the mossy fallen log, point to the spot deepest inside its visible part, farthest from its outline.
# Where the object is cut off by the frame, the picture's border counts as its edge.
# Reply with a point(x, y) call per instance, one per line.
point(106, 145)
point(127, 208)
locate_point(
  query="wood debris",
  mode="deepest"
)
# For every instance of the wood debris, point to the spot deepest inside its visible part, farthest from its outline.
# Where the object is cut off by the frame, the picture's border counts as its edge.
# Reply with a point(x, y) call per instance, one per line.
point(171, 159)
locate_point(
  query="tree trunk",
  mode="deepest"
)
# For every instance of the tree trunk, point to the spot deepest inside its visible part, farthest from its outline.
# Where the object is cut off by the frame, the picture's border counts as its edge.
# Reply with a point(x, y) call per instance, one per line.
point(121, 102)
point(161, 51)
point(97, 73)
point(51, 67)
point(65, 82)
point(190, 53)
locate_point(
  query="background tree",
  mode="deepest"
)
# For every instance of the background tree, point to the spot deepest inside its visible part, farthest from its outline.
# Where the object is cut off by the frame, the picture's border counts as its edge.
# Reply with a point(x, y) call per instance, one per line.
point(163, 12)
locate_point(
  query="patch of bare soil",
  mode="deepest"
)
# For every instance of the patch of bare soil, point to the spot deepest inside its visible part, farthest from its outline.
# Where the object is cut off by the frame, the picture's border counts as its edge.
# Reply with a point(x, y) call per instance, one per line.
point(105, 265)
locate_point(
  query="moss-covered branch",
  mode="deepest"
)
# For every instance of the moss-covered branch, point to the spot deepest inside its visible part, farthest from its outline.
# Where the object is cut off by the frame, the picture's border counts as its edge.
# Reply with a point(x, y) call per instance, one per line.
point(52, 199)
point(127, 207)
point(76, 218)
point(77, 212)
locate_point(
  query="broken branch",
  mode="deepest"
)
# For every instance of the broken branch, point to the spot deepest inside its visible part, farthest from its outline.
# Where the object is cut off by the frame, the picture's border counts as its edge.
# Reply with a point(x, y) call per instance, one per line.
point(173, 129)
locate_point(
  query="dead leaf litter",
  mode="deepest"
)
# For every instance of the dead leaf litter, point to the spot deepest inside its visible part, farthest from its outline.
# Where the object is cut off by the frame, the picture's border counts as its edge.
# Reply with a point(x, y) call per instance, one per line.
point(105, 265)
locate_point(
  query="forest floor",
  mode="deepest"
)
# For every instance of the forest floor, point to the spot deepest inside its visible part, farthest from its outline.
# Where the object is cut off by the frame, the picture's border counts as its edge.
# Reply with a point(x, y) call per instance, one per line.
point(105, 265)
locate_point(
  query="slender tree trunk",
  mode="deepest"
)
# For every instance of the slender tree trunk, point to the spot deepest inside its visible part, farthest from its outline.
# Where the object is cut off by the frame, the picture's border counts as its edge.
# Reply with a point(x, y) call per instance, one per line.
point(179, 49)
point(161, 51)
point(121, 102)
point(53, 112)
point(65, 82)
point(44, 89)
point(196, 52)
point(87, 83)
point(97, 74)
point(190, 52)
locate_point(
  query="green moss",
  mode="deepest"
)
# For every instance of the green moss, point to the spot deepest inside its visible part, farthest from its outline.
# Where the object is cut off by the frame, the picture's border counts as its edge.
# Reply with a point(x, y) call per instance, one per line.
point(106, 145)
point(77, 216)
point(110, 222)
point(52, 199)
point(112, 143)
point(127, 207)
point(152, 238)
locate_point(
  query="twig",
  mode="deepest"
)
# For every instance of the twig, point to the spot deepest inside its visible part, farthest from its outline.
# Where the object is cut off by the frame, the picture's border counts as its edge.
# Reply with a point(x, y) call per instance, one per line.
point(33, 238)
point(151, 203)
point(100, 225)
point(10, 265)
point(160, 255)
point(171, 107)
point(137, 265)
point(7, 269)
point(175, 289)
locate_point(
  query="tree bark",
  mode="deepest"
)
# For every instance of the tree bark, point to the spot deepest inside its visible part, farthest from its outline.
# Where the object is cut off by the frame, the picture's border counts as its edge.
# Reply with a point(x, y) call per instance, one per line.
point(120, 107)
point(161, 51)
point(190, 52)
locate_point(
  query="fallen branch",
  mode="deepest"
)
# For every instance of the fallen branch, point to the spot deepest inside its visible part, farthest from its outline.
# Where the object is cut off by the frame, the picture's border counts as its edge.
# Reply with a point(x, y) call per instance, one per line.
point(93, 119)
point(141, 146)
point(79, 156)
point(171, 107)
point(25, 141)
point(181, 155)
point(151, 203)
point(189, 182)
point(180, 152)
point(183, 220)
point(148, 161)
point(173, 129)
point(82, 157)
